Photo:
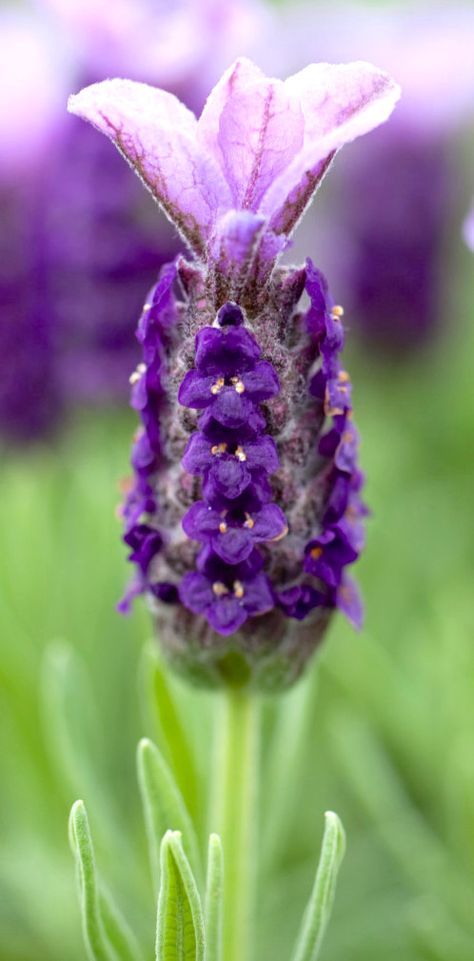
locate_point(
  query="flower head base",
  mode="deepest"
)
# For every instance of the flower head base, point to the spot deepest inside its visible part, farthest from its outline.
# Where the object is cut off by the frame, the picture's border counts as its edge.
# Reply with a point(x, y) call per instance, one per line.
point(245, 509)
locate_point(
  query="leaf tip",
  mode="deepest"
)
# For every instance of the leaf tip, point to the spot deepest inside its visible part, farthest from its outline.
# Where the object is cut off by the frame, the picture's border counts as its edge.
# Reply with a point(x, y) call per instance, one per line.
point(144, 745)
point(77, 816)
point(333, 824)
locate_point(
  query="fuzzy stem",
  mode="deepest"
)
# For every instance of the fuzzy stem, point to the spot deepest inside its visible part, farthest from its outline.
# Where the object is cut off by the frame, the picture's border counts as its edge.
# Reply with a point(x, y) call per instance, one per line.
point(235, 815)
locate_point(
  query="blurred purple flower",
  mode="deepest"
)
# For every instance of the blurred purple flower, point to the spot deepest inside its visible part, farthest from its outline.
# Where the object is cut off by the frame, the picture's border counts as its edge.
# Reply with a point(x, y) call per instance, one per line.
point(78, 236)
point(392, 206)
point(245, 508)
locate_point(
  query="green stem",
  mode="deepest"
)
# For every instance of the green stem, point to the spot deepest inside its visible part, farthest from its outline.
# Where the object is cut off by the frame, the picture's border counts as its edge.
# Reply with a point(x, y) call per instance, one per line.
point(235, 816)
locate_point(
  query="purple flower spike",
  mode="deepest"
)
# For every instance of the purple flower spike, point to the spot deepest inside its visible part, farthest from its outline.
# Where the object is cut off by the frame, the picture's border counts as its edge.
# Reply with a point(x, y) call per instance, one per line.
point(245, 510)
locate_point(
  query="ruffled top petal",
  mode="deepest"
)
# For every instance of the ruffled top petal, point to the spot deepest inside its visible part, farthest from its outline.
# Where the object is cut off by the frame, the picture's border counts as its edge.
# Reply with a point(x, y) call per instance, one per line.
point(243, 173)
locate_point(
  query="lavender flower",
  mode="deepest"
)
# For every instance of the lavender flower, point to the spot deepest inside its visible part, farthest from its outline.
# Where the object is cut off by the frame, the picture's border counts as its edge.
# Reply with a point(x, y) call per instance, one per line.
point(245, 508)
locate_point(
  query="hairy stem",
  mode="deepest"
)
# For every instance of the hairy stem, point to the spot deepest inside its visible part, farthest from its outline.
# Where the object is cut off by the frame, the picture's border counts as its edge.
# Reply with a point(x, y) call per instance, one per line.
point(235, 815)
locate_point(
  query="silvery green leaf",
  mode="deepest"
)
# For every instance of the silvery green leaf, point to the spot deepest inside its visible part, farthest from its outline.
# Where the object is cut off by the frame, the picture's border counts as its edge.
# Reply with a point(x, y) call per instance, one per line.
point(166, 716)
point(214, 899)
point(180, 923)
point(319, 907)
point(106, 934)
point(163, 805)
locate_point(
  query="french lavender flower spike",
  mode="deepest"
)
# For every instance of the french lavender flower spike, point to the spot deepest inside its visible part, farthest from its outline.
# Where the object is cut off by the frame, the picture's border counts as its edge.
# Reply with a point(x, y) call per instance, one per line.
point(245, 508)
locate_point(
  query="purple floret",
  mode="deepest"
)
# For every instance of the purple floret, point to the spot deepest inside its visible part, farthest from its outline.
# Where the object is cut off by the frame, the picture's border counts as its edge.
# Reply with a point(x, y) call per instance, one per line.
point(232, 534)
point(225, 351)
point(145, 542)
point(227, 594)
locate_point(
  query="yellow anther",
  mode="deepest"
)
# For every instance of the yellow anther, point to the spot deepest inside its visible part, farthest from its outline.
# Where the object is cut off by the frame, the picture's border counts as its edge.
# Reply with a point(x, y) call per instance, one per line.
point(219, 448)
point(249, 522)
point(238, 589)
point(337, 312)
point(137, 374)
point(343, 377)
point(240, 453)
point(217, 387)
point(219, 589)
point(125, 484)
point(279, 536)
point(346, 592)
point(237, 384)
point(333, 411)
point(222, 527)
point(316, 552)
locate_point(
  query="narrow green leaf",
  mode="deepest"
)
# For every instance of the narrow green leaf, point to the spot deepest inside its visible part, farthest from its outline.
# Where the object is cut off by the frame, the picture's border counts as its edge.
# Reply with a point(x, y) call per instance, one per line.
point(163, 806)
point(180, 923)
point(214, 899)
point(106, 933)
point(166, 718)
point(319, 907)
point(98, 948)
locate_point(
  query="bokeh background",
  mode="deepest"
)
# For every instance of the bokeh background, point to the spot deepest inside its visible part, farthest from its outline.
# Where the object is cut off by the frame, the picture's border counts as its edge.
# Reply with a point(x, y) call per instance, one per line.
point(382, 728)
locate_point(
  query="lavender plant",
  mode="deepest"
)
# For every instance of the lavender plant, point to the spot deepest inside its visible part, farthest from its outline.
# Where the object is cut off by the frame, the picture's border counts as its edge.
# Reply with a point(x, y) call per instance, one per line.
point(245, 507)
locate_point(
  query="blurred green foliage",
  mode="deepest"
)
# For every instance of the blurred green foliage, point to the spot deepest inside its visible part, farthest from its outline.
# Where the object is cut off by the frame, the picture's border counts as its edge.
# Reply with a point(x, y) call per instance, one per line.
point(381, 730)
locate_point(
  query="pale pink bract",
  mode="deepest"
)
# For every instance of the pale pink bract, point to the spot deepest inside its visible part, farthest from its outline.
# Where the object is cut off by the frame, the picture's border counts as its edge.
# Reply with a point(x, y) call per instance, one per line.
point(250, 165)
